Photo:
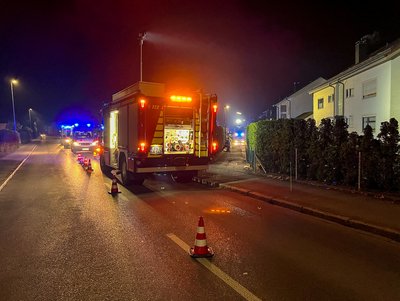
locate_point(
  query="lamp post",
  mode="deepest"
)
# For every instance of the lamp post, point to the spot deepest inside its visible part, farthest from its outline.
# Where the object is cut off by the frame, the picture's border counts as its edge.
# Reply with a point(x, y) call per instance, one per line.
point(30, 118)
point(12, 83)
point(141, 39)
point(226, 108)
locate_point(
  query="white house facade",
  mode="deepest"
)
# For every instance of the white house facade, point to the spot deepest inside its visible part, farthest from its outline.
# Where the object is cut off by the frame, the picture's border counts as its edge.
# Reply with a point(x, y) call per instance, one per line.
point(299, 104)
point(366, 93)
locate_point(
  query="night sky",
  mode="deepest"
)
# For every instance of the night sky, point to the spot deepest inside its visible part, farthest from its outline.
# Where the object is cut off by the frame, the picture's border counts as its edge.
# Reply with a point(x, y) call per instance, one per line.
point(70, 56)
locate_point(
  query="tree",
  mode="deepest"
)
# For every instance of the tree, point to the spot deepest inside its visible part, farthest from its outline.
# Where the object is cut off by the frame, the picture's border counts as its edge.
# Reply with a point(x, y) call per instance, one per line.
point(389, 138)
point(370, 159)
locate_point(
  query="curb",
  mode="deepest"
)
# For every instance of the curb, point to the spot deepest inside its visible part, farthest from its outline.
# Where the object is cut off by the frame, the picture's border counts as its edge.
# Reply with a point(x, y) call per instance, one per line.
point(342, 220)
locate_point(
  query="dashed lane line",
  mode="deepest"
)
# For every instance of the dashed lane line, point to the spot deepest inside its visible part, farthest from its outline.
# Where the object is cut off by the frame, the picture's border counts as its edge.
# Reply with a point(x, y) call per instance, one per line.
point(244, 292)
point(14, 172)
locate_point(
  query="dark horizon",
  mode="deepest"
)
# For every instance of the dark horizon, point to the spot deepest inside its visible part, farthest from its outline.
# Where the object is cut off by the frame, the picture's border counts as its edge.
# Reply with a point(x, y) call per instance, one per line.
point(71, 56)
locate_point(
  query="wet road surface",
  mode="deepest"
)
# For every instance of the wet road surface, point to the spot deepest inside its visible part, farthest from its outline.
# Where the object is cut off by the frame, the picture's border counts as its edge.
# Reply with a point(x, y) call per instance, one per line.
point(64, 237)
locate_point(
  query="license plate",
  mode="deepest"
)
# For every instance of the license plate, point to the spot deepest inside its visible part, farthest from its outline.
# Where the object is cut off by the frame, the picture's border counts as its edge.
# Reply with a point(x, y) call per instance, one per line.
point(85, 148)
point(156, 149)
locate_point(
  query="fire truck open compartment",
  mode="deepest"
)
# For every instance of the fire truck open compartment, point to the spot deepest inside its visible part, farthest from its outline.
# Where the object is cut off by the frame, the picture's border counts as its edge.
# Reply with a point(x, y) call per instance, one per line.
point(178, 131)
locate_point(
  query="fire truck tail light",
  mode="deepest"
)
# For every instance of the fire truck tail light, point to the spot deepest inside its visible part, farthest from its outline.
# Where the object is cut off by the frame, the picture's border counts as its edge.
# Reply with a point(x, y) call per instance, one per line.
point(142, 147)
point(214, 146)
point(142, 103)
point(215, 107)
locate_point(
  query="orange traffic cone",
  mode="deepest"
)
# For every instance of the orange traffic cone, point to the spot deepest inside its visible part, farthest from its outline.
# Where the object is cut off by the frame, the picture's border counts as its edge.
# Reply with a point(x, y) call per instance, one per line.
point(200, 248)
point(114, 187)
point(85, 163)
point(89, 167)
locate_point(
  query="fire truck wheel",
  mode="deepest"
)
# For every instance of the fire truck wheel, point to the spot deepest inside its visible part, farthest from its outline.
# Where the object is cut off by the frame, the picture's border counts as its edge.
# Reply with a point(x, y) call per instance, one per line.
point(104, 168)
point(124, 171)
point(183, 176)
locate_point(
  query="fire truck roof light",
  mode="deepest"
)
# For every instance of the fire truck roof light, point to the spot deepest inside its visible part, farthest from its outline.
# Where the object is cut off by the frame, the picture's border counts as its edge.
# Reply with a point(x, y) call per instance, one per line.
point(178, 98)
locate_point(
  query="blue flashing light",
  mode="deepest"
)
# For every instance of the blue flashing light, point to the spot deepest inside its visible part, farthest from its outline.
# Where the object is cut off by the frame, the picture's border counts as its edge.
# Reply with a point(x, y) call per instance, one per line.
point(241, 134)
point(88, 125)
point(62, 126)
point(76, 124)
point(102, 127)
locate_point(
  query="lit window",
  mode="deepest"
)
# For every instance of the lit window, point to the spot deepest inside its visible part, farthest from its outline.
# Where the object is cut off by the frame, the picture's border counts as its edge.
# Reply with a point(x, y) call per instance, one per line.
point(320, 103)
point(369, 88)
point(369, 120)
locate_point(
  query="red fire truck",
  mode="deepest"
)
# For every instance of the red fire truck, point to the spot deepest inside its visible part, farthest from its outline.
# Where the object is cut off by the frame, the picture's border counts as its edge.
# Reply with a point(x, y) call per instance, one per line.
point(148, 130)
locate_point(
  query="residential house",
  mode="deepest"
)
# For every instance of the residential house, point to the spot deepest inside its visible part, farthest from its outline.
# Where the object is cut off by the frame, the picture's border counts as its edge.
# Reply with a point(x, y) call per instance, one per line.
point(366, 93)
point(299, 104)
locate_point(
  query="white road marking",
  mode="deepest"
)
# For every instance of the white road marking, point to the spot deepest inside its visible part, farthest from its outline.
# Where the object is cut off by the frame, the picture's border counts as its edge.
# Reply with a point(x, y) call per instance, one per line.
point(244, 292)
point(18, 167)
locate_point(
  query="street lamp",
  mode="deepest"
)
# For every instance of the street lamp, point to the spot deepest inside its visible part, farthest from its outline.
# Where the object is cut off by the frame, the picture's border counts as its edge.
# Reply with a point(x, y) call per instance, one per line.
point(12, 83)
point(30, 118)
point(226, 108)
point(141, 39)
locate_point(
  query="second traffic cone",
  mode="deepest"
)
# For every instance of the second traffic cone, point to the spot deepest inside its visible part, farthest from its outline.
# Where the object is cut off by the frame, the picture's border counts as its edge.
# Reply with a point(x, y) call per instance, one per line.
point(200, 248)
point(85, 163)
point(89, 167)
point(114, 187)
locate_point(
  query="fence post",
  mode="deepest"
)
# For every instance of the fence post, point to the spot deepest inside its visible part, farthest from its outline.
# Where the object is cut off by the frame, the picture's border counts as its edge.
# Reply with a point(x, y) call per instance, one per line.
point(295, 164)
point(254, 161)
point(359, 171)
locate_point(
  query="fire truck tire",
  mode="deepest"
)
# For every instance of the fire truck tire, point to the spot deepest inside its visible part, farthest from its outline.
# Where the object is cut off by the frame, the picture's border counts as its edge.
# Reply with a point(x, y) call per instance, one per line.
point(125, 177)
point(104, 168)
point(183, 176)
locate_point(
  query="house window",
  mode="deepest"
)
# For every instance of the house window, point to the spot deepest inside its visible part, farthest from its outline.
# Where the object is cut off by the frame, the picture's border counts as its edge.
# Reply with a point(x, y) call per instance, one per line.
point(331, 98)
point(320, 103)
point(369, 88)
point(349, 92)
point(370, 120)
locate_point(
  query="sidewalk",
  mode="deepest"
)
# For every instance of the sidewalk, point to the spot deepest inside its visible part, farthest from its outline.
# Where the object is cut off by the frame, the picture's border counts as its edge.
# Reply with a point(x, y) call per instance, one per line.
point(376, 214)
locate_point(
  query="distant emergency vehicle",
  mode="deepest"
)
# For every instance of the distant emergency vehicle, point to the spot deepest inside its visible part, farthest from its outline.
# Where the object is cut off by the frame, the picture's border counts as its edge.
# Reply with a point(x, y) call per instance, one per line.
point(147, 130)
point(85, 138)
point(80, 137)
point(66, 135)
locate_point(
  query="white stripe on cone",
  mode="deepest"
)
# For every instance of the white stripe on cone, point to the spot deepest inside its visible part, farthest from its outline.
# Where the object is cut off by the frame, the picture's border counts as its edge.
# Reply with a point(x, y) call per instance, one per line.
point(200, 230)
point(200, 243)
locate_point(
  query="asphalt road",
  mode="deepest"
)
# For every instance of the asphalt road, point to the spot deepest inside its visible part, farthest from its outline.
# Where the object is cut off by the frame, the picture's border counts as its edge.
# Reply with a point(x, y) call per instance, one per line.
point(64, 237)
